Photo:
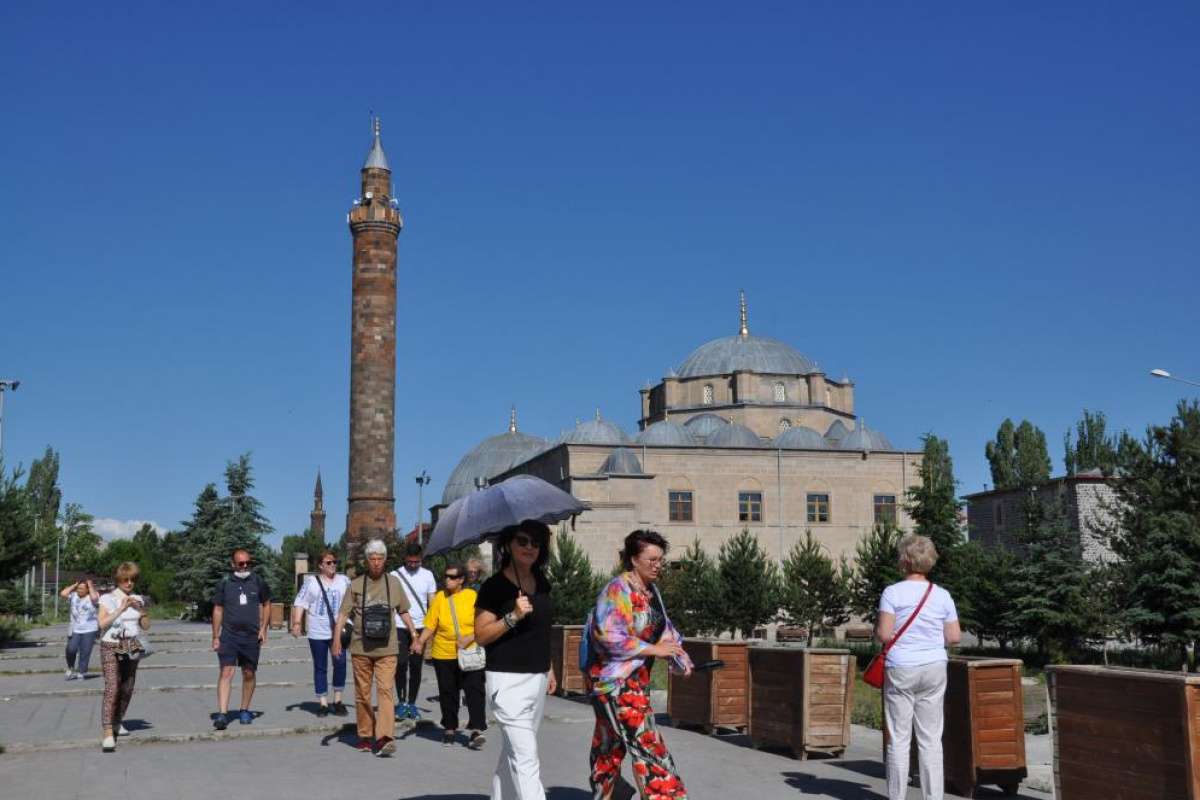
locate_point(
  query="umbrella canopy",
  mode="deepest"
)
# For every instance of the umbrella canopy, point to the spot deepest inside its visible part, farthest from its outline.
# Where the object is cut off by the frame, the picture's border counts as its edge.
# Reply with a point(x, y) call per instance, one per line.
point(471, 519)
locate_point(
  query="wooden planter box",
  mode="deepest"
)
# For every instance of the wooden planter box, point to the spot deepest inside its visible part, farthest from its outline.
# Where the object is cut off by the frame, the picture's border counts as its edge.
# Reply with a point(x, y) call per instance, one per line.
point(276, 620)
point(1124, 733)
point(983, 736)
point(564, 658)
point(716, 698)
point(801, 698)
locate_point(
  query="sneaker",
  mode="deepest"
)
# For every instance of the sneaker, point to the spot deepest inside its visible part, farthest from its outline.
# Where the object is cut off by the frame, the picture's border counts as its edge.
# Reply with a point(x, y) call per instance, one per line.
point(109, 744)
point(478, 740)
point(447, 738)
point(245, 717)
point(414, 713)
point(385, 746)
point(401, 712)
point(69, 675)
point(220, 721)
point(363, 746)
point(120, 730)
point(339, 709)
point(323, 710)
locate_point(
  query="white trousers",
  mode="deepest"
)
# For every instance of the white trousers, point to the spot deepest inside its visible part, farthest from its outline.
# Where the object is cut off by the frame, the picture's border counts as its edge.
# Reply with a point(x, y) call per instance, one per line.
point(913, 696)
point(518, 700)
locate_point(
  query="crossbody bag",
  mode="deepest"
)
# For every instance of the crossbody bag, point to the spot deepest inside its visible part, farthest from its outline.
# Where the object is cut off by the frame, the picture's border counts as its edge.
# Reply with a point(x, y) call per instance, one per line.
point(377, 622)
point(470, 659)
point(348, 628)
point(874, 674)
point(413, 592)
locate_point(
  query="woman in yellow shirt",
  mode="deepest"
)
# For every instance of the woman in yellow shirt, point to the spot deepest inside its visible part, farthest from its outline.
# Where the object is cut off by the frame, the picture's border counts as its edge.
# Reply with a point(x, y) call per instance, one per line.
point(440, 626)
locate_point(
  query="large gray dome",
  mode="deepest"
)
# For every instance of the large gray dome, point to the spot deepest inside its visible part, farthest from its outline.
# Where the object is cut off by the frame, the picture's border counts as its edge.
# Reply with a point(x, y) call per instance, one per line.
point(799, 437)
point(596, 431)
point(621, 461)
point(863, 438)
point(734, 435)
point(488, 459)
point(705, 424)
point(747, 353)
point(665, 432)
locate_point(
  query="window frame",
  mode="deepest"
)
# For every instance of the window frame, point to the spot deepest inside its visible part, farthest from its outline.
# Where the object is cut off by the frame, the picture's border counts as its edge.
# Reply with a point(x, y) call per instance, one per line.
point(707, 395)
point(779, 392)
point(813, 505)
point(675, 499)
point(876, 506)
point(753, 508)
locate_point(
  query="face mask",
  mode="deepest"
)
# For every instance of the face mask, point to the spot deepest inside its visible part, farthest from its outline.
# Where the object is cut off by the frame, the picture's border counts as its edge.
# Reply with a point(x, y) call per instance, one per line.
point(243, 574)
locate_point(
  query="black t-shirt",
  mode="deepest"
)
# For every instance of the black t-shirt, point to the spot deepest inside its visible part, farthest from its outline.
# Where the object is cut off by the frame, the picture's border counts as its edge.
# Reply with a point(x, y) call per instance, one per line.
point(241, 618)
point(526, 648)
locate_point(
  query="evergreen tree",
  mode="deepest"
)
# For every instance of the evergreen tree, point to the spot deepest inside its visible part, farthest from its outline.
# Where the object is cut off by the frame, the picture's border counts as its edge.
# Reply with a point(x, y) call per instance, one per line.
point(983, 592)
point(150, 546)
point(1047, 585)
point(876, 567)
point(1018, 457)
point(1105, 599)
point(18, 550)
point(934, 507)
point(1092, 447)
point(572, 581)
point(1157, 534)
point(814, 592)
point(692, 593)
point(749, 584)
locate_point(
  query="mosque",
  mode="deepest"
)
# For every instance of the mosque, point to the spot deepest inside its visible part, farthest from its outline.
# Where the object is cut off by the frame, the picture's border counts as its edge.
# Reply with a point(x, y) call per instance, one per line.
point(746, 432)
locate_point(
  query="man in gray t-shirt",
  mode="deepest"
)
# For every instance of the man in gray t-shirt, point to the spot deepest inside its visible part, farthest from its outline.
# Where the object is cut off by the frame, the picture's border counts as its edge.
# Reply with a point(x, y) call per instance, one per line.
point(241, 611)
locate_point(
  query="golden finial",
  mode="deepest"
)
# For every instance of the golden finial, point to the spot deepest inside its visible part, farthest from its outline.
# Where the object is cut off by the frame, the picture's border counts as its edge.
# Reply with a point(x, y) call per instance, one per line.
point(512, 420)
point(745, 331)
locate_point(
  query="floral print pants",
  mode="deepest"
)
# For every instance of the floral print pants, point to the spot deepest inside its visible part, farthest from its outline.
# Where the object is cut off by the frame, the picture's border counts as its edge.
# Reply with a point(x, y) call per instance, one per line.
point(625, 723)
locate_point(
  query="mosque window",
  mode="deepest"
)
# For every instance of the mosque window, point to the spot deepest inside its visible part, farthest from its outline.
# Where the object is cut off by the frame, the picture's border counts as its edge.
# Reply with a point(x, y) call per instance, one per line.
point(784, 424)
point(818, 508)
point(749, 506)
point(780, 392)
point(708, 394)
point(679, 506)
point(885, 508)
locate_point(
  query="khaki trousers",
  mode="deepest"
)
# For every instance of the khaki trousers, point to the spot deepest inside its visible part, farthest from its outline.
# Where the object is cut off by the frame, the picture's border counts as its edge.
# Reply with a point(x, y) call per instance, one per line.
point(381, 670)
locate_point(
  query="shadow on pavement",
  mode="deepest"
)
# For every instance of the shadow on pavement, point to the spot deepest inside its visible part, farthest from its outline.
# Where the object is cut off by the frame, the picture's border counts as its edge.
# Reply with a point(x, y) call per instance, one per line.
point(830, 787)
point(348, 735)
point(875, 769)
point(132, 725)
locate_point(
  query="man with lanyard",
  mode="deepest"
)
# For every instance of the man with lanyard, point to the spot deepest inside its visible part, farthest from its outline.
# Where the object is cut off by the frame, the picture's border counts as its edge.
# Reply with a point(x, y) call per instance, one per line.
point(419, 586)
point(241, 611)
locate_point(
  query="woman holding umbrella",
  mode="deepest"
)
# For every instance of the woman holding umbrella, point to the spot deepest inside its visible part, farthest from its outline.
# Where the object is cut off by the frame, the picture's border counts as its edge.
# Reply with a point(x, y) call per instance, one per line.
point(513, 614)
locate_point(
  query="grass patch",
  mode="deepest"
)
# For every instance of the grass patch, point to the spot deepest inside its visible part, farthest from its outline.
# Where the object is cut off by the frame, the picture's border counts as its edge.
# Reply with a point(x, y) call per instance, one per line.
point(11, 629)
point(172, 609)
point(868, 705)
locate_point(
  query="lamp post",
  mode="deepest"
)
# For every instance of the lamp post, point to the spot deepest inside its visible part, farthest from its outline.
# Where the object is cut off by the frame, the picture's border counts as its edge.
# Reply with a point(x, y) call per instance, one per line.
point(1162, 373)
point(422, 481)
point(5, 384)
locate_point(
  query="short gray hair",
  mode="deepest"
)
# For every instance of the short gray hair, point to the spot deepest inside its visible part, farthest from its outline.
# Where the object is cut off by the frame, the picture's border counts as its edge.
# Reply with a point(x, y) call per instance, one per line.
point(375, 547)
point(917, 554)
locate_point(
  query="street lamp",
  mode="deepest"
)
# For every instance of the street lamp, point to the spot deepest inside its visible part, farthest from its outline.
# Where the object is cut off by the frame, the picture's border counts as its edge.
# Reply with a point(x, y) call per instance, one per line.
point(5, 384)
point(1162, 373)
point(422, 481)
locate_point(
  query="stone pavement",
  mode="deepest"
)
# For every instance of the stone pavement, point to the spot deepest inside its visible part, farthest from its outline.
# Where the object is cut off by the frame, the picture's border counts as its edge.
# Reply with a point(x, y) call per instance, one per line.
point(50, 730)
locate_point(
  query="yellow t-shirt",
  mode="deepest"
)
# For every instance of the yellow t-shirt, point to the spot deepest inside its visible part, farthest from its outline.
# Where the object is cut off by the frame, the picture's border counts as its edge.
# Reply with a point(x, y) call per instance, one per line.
point(445, 645)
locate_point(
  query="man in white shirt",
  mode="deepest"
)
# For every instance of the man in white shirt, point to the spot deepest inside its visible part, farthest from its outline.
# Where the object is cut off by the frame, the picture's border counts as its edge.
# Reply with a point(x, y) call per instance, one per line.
point(420, 586)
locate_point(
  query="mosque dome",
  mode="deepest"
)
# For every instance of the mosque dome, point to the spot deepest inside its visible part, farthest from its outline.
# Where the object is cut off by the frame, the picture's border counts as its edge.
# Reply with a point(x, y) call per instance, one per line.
point(596, 431)
point(666, 433)
point(734, 435)
point(705, 424)
point(621, 461)
point(799, 437)
point(489, 458)
point(745, 353)
point(837, 431)
point(863, 438)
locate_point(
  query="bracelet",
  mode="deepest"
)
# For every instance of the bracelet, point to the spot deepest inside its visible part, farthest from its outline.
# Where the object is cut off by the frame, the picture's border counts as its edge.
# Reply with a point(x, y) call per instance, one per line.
point(510, 621)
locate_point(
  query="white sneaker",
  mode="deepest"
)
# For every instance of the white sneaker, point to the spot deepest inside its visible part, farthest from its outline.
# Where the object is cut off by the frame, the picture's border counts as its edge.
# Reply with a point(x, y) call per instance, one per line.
point(109, 744)
point(69, 675)
point(121, 731)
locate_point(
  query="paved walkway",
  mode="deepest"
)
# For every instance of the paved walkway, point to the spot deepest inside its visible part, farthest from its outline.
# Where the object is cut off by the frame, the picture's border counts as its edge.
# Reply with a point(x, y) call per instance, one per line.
point(50, 730)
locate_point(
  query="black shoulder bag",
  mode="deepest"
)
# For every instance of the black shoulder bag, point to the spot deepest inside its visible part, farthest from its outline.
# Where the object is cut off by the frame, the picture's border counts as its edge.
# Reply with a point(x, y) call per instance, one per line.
point(377, 621)
point(348, 628)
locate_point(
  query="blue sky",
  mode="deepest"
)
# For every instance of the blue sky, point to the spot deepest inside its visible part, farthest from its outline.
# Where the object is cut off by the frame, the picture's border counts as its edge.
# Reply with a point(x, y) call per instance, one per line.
point(975, 213)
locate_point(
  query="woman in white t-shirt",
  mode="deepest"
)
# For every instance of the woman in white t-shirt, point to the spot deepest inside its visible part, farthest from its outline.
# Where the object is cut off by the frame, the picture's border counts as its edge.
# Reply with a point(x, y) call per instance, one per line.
point(916, 666)
point(122, 618)
point(320, 629)
point(81, 634)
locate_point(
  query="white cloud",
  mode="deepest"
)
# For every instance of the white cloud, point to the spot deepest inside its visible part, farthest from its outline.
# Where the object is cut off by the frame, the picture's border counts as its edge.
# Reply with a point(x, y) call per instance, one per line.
point(123, 528)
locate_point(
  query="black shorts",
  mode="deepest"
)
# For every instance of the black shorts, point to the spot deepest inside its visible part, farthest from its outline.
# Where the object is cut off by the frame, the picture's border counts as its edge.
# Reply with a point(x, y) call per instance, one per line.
point(239, 650)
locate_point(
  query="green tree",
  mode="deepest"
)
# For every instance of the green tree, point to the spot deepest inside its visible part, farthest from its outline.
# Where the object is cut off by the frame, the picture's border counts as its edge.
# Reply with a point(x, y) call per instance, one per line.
point(934, 507)
point(692, 593)
point(1002, 456)
point(749, 584)
point(1157, 530)
point(983, 592)
point(814, 591)
point(1018, 457)
point(45, 499)
point(1105, 599)
point(150, 546)
point(81, 544)
point(18, 550)
point(309, 543)
point(572, 581)
point(876, 567)
point(1047, 584)
point(1092, 447)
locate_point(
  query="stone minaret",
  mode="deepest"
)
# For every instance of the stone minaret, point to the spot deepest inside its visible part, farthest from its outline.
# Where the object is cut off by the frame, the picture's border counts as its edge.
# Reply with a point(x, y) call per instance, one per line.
point(316, 517)
point(375, 225)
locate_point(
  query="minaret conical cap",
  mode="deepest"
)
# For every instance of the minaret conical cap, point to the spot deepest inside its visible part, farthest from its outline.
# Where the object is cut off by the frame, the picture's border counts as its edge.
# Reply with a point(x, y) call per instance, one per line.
point(376, 158)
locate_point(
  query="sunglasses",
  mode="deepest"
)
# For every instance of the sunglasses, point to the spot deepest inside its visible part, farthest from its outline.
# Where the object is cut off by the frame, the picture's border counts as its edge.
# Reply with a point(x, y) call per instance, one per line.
point(241, 563)
point(450, 577)
point(525, 541)
point(329, 563)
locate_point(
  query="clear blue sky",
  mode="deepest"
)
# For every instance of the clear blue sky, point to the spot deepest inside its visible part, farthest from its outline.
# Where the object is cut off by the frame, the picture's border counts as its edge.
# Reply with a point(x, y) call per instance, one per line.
point(975, 213)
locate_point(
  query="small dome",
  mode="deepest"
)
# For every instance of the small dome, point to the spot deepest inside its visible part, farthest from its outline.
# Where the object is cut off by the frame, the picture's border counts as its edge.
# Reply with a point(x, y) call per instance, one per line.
point(705, 424)
point(745, 353)
point(621, 461)
point(666, 433)
point(799, 437)
point(837, 431)
point(734, 435)
point(863, 438)
point(488, 459)
point(596, 431)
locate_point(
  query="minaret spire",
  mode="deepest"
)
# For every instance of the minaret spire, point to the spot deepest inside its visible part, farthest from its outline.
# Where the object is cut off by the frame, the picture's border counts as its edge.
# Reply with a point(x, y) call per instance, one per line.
point(744, 330)
point(316, 517)
point(512, 420)
point(376, 158)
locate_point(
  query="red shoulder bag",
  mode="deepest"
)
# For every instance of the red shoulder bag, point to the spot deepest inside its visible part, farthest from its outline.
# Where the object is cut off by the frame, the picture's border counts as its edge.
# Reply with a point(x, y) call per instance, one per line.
point(874, 673)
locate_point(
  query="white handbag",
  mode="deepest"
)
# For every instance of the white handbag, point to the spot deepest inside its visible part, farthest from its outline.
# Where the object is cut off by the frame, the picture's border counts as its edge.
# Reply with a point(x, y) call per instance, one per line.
point(470, 659)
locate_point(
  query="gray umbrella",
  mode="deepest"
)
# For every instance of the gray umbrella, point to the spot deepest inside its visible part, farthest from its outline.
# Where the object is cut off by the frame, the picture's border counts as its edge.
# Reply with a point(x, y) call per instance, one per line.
point(473, 518)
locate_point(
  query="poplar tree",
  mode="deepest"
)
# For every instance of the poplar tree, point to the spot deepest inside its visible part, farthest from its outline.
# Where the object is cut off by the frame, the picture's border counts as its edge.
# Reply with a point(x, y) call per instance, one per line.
point(934, 507)
point(1018, 457)
point(1091, 448)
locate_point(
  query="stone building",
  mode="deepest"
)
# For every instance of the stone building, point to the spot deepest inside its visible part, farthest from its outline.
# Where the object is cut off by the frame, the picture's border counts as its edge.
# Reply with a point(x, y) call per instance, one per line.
point(1089, 501)
point(746, 433)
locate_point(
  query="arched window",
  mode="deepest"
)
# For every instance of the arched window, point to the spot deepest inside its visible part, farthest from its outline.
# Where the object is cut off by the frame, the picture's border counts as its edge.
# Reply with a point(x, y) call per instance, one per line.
point(780, 392)
point(784, 424)
point(708, 394)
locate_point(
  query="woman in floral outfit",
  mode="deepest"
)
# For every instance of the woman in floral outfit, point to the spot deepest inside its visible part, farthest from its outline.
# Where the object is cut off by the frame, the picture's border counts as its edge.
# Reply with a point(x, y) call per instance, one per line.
point(630, 629)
